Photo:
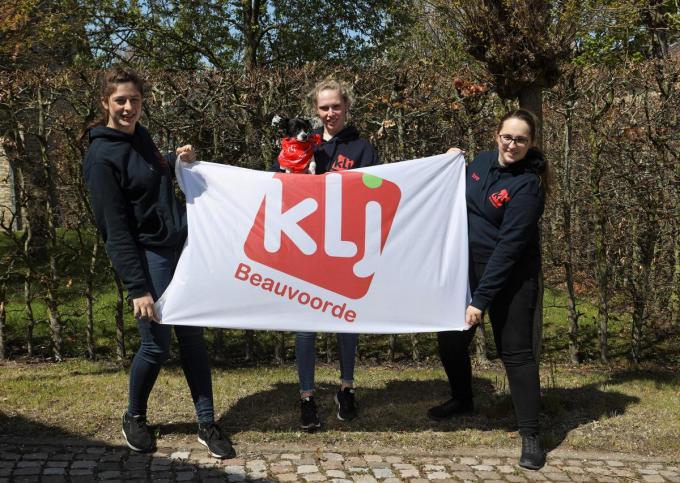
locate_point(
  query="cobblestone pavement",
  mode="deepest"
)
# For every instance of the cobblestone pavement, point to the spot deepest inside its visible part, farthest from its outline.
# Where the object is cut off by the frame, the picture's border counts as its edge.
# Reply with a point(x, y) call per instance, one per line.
point(61, 460)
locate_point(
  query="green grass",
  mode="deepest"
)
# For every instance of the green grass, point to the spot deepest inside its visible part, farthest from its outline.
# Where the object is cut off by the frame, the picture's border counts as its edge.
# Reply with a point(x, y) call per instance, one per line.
point(583, 409)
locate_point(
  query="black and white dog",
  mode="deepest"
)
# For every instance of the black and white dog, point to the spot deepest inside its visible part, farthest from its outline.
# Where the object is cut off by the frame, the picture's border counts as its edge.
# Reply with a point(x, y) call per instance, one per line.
point(297, 144)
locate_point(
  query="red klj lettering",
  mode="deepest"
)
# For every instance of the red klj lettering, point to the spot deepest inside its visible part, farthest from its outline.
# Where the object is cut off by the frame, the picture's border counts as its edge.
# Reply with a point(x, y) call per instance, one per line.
point(328, 230)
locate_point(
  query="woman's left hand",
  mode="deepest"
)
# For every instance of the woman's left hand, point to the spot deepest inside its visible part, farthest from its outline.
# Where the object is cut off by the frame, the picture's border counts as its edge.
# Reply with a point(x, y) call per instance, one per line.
point(186, 153)
point(473, 316)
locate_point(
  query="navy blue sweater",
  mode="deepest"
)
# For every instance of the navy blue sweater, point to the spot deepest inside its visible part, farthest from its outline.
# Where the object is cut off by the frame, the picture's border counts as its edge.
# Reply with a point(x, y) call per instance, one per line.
point(133, 200)
point(345, 150)
point(504, 205)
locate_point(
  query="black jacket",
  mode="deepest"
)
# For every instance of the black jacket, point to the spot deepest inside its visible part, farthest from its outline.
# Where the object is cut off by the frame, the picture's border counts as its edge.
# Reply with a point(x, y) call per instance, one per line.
point(504, 205)
point(345, 150)
point(133, 200)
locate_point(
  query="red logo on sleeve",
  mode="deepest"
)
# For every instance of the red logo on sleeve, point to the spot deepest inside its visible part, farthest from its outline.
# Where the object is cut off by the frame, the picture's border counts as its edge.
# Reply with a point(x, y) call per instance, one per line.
point(475, 176)
point(499, 198)
point(328, 230)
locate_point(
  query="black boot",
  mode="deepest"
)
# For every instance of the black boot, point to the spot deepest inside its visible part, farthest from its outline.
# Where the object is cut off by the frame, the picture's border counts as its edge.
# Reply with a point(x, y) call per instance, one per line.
point(450, 408)
point(533, 457)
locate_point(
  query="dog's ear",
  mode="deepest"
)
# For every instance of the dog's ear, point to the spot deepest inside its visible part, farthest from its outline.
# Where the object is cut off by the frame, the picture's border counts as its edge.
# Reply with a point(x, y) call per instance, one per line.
point(278, 121)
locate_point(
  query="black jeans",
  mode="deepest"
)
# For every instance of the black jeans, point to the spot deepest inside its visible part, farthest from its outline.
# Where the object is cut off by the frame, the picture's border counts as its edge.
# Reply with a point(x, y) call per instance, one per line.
point(155, 347)
point(511, 314)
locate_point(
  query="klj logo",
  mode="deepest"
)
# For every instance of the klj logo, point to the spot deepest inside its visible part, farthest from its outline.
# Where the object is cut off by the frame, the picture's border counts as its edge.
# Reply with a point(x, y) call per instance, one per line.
point(328, 230)
point(499, 198)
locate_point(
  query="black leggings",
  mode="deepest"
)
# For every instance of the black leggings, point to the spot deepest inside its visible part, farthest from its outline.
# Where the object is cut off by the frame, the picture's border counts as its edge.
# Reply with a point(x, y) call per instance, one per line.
point(155, 347)
point(511, 314)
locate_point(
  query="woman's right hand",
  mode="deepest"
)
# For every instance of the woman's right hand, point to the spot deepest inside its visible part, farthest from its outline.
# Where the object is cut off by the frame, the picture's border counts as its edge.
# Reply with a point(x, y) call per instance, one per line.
point(143, 308)
point(455, 151)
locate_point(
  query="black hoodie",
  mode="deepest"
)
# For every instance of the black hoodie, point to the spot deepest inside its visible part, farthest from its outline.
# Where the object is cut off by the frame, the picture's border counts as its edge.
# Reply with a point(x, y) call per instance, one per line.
point(343, 151)
point(504, 204)
point(133, 200)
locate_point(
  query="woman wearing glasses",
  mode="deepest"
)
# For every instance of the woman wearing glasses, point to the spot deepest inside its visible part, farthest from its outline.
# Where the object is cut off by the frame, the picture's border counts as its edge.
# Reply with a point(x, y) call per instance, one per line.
point(505, 194)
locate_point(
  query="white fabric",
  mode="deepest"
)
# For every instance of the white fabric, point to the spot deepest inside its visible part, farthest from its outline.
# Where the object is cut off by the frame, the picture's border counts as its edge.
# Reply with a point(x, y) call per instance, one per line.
point(301, 252)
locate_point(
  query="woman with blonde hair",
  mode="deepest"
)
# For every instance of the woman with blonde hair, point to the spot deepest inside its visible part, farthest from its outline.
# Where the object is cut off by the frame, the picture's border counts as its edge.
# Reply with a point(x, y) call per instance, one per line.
point(341, 148)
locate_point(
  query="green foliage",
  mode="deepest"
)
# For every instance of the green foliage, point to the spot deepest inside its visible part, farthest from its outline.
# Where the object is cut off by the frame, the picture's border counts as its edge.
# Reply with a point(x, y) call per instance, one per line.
point(169, 34)
point(626, 30)
point(336, 31)
point(194, 34)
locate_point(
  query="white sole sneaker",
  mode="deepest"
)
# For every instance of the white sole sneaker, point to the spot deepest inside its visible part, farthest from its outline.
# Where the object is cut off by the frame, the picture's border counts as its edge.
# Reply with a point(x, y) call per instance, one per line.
point(134, 448)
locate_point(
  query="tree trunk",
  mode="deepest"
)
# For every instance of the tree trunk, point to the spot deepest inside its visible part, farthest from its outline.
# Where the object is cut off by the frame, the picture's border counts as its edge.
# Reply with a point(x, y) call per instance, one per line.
point(218, 343)
point(3, 320)
point(574, 348)
point(52, 278)
point(675, 296)
point(531, 99)
point(25, 251)
point(391, 346)
point(675, 290)
point(120, 319)
point(415, 348)
point(3, 309)
point(89, 297)
point(644, 242)
point(251, 30)
point(28, 309)
point(279, 347)
point(249, 345)
point(601, 269)
point(480, 345)
point(33, 178)
point(328, 337)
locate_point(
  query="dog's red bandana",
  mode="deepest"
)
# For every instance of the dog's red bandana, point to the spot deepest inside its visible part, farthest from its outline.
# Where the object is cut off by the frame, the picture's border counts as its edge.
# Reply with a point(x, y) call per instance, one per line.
point(295, 155)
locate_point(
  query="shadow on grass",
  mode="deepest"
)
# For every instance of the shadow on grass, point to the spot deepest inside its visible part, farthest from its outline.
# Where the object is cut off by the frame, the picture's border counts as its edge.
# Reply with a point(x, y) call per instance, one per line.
point(565, 409)
point(112, 460)
point(660, 378)
point(401, 406)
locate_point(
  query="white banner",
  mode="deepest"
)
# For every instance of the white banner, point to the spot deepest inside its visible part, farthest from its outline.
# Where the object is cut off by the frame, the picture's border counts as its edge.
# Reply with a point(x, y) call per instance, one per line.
point(374, 250)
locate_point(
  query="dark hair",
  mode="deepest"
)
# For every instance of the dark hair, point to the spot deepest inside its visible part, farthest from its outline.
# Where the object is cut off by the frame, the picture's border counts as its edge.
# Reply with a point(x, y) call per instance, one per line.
point(108, 82)
point(542, 170)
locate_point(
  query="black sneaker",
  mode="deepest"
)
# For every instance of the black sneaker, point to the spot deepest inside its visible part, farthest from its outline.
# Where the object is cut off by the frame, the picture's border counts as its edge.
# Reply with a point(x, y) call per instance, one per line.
point(219, 446)
point(533, 457)
point(137, 434)
point(347, 409)
point(309, 419)
point(450, 408)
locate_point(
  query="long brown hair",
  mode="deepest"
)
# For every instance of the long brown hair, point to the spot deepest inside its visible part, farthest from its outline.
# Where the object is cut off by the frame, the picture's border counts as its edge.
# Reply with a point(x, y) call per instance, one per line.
point(543, 171)
point(108, 82)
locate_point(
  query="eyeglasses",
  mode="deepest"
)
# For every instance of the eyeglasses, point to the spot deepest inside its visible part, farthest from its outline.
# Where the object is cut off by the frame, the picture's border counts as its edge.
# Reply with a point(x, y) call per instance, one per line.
point(507, 139)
